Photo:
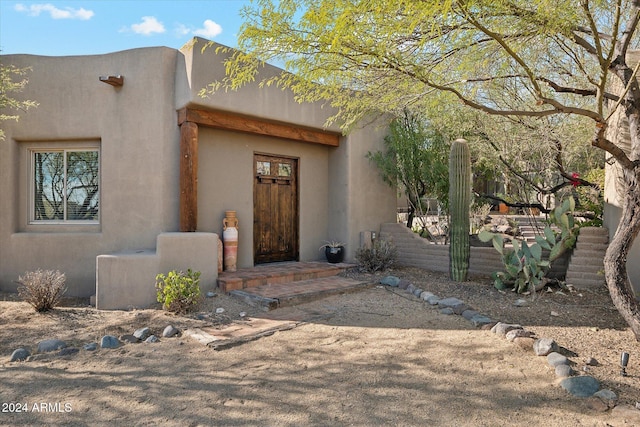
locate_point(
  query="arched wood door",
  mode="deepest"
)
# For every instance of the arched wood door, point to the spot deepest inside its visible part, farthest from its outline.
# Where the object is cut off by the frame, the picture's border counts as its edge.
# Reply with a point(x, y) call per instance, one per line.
point(275, 209)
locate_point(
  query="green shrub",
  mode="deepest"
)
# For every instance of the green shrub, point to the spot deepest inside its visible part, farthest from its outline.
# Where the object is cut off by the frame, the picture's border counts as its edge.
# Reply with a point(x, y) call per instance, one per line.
point(178, 291)
point(42, 289)
point(379, 257)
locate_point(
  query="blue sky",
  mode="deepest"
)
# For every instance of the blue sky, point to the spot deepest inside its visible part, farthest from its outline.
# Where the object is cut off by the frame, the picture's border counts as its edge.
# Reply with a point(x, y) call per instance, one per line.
point(86, 27)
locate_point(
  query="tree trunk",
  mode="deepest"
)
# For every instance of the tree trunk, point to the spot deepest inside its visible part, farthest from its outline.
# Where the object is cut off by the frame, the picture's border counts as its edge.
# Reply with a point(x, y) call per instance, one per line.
point(411, 214)
point(615, 262)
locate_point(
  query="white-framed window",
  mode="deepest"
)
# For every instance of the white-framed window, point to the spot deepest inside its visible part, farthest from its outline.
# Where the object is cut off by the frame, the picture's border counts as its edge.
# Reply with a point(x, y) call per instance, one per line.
point(65, 185)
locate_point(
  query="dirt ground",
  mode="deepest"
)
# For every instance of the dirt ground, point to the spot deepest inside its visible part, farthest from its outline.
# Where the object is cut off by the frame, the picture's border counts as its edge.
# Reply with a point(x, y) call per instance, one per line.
point(374, 357)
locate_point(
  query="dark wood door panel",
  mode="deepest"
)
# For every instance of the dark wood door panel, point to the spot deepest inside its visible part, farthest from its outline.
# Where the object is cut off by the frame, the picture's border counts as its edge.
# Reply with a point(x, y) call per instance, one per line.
point(275, 209)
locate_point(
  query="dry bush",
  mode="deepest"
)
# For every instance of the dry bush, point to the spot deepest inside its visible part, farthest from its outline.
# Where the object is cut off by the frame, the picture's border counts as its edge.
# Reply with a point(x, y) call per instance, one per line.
point(42, 289)
point(379, 257)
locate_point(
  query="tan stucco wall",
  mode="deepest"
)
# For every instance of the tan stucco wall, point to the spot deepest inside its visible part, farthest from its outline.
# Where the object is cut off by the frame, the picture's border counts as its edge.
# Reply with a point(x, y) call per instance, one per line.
point(225, 182)
point(271, 103)
point(139, 178)
point(359, 199)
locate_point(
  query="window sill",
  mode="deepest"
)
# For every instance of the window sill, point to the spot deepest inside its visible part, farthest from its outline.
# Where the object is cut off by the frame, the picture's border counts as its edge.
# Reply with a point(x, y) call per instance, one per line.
point(62, 228)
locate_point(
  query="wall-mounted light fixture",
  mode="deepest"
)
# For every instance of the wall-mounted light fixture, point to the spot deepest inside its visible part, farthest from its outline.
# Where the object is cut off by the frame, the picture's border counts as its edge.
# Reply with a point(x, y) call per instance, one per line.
point(113, 80)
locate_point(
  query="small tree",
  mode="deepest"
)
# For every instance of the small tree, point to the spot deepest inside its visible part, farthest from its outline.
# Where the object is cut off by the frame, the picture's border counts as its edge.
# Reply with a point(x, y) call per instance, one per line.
point(8, 86)
point(415, 158)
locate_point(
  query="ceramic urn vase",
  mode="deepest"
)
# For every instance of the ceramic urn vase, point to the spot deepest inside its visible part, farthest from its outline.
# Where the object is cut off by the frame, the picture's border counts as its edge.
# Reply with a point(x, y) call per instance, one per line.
point(230, 240)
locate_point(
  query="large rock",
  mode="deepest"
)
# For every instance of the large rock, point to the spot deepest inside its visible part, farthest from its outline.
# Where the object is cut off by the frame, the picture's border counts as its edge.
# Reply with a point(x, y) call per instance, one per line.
point(142, 333)
point(129, 339)
point(403, 284)
point(563, 371)
point(47, 346)
point(467, 314)
point(518, 333)
point(478, 320)
point(109, 341)
point(608, 397)
point(450, 302)
point(501, 328)
point(19, 355)
point(554, 359)
point(582, 386)
point(390, 281)
point(433, 300)
point(461, 308)
point(544, 346)
point(425, 295)
point(627, 414)
point(169, 331)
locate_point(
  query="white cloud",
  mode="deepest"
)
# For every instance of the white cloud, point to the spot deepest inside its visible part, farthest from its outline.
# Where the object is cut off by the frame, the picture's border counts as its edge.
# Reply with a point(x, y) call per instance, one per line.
point(210, 29)
point(182, 30)
point(148, 26)
point(54, 12)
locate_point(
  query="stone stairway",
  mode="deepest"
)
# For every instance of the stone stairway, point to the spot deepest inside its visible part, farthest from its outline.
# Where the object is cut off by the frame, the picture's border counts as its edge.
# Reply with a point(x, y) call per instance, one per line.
point(532, 226)
point(529, 226)
point(586, 264)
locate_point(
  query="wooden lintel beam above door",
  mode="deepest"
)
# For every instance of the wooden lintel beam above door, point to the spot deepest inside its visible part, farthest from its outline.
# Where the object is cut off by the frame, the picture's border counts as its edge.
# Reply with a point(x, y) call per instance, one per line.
point(234, 122)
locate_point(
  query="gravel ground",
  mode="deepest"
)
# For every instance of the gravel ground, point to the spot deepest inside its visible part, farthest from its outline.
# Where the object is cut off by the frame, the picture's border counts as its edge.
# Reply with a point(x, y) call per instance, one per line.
point(374, 357)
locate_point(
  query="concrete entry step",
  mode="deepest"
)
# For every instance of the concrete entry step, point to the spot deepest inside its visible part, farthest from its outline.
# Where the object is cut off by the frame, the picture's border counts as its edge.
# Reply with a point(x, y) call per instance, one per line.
point(272, 296)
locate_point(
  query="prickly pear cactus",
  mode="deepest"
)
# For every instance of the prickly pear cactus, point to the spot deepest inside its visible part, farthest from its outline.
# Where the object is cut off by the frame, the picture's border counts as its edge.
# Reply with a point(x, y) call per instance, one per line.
point(459, 201)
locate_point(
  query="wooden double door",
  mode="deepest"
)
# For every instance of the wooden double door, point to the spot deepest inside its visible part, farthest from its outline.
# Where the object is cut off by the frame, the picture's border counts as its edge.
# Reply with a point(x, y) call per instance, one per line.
point(275, 209)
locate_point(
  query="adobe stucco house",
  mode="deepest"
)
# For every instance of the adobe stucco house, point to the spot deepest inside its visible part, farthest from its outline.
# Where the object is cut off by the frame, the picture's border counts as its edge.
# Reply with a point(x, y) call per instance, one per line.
point(113, 181)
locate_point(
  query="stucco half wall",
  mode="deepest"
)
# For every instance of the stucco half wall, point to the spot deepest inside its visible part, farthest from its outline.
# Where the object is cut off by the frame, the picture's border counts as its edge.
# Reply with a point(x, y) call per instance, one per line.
point(127, 280)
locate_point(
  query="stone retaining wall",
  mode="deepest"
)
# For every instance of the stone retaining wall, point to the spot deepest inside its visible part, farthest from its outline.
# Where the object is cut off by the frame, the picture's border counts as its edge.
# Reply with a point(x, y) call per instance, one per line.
point(415, 251)
point(584, 268)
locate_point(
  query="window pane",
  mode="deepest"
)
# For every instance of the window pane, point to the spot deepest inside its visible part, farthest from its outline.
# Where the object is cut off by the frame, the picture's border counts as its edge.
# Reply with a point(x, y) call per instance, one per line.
point(82, 185)
point(284, 169)
point(263, 168)
point(49, 186)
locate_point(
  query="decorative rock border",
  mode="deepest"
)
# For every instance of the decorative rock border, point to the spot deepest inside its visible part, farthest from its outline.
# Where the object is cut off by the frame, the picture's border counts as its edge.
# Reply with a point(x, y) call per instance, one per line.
point(584, 386)
point(46, 348)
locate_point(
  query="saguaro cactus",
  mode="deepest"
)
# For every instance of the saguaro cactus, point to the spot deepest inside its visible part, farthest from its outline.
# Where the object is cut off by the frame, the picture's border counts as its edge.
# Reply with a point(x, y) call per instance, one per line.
point(459, 201)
